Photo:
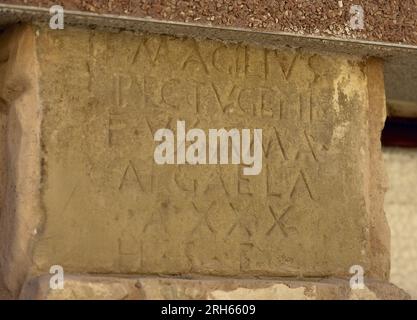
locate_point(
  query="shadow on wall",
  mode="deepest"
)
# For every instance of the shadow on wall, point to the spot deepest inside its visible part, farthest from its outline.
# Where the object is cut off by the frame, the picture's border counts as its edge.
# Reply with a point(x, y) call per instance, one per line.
point(401, 211)
point(400, 154)
point(400, 132)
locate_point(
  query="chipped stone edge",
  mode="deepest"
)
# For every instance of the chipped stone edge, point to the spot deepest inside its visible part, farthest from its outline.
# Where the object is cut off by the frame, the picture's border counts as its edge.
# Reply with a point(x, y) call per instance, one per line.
point(117, 287)
point(379, 230)
point(20, 215)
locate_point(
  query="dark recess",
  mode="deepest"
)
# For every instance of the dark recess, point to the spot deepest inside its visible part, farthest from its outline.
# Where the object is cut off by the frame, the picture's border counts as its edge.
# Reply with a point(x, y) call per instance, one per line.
point(400, 132)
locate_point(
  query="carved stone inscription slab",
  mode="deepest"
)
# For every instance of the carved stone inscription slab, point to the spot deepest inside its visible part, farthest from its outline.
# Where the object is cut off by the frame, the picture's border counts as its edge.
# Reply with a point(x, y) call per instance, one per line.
point(108, 208)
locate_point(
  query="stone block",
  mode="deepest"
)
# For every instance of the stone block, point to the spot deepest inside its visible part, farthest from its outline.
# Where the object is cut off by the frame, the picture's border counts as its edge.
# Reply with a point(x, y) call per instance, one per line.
point(83, 190)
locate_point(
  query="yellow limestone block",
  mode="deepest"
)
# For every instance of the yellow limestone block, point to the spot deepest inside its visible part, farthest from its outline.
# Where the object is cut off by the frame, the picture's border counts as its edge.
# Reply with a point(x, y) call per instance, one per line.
point(83, 191)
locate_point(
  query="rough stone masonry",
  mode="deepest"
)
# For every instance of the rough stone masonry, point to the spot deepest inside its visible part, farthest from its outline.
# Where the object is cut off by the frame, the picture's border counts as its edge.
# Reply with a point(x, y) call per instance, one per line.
point(79, 109)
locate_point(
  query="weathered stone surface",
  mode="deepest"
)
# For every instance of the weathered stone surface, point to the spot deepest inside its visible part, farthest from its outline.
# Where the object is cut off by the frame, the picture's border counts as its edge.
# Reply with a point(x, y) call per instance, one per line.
point(104, 206)
point(117, 288)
